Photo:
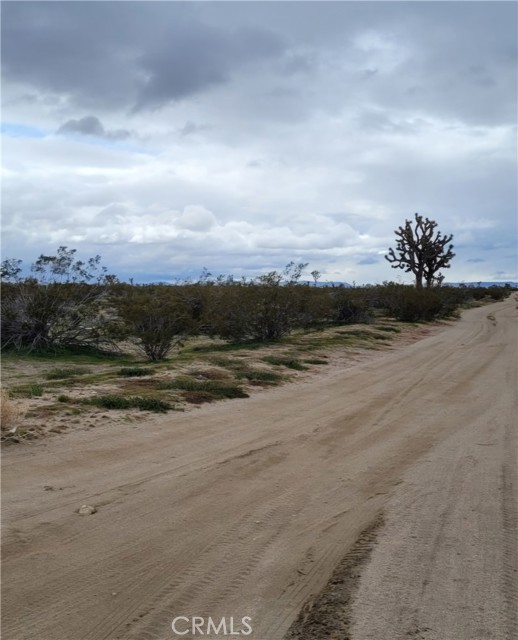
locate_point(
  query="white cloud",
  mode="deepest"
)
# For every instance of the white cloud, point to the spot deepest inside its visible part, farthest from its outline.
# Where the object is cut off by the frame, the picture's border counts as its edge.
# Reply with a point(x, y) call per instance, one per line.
point(335, 127)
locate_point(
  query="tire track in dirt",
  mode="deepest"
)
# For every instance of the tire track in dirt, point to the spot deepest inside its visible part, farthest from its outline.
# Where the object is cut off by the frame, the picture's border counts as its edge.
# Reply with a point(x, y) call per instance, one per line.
point(246, 509)
point(445, 566)
point(510, 528)
point(329, 614)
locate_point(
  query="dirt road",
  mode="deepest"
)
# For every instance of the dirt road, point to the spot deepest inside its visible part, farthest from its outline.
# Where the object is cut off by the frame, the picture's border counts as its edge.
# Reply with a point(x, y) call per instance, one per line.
point(245, 509)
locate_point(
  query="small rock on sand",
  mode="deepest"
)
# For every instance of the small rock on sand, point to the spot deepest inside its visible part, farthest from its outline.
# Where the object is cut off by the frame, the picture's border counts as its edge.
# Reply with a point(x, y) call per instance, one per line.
point(86, 510)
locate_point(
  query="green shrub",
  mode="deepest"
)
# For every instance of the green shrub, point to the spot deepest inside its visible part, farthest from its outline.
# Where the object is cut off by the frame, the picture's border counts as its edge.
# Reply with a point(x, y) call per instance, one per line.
point(350, 306)
point(35, 390)
point(217, 388)
point(58, 306)
point(157, 317)
point(408, 304)
point(291, 363)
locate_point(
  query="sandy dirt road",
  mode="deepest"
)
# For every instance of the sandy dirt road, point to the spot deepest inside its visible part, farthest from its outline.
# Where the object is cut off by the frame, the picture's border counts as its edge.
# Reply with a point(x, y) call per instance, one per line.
point(244, 509)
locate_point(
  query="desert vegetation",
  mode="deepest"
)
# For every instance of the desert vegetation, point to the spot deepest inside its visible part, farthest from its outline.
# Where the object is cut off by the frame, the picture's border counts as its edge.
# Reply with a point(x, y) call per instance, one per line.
point(94, 344)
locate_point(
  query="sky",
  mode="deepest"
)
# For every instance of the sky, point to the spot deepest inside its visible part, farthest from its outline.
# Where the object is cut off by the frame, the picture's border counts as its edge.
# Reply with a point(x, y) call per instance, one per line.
point(169, 137)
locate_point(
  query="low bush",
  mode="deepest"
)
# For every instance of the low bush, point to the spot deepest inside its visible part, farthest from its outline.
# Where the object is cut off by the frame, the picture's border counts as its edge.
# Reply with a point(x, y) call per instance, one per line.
point(409, 304)
point(350, 306)
point(135, 372)
point(157, 317)
point(70, 372)
point(291, 363)
point(130, 402)
point(258, 374)
point(388, 328)
point(34, 390)
point(211, 374)
point(217, 388)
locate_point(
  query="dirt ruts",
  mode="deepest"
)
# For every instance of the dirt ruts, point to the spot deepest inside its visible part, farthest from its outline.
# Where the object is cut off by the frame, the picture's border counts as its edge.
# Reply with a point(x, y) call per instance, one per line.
point(245, 509)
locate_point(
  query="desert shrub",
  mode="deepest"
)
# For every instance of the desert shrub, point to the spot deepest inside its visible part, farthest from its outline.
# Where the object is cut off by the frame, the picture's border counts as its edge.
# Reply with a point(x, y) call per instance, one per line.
point(497, 293)
point(157, 317)
point(388, 328)
point(135, 372)
point(210, 374)
point(349, 306)
point(59, 306)
point(198, 397)
point(252, 374)
point(363, 335)
point(262, 310)
point(316, 361)
point(130, 402)
point(291, 363)
point(493, 292)
point(32, 390)
point(217, 388)
point(10, 413)
point(409, 304)
point(64, 398)
point(70, 372)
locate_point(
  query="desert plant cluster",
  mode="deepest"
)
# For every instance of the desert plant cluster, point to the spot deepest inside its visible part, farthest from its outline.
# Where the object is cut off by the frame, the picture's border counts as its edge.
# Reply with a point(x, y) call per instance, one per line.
point(66, 304)
point(98, 344)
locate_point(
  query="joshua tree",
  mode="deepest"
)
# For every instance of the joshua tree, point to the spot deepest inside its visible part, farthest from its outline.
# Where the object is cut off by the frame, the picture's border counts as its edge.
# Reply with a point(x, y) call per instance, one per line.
point(421, 251)
point(316, 275)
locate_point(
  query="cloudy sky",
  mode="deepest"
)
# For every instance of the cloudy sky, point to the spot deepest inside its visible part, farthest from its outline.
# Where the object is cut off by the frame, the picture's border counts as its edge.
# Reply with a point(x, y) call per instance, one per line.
point(238, 136)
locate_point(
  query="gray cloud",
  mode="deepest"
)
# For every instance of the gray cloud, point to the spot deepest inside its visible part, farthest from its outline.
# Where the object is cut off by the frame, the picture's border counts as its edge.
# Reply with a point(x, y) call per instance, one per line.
point(196, 57)
point(369, 260)
point(267, 131)
point(92, 126)
point(191, 127)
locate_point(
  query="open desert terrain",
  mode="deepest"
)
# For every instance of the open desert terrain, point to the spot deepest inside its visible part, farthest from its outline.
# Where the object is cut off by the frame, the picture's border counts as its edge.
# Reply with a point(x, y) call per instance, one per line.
point(373, 502)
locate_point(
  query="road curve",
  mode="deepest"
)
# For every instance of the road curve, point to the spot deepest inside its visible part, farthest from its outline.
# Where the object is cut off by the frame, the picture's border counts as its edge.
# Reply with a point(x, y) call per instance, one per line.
point(244, 509)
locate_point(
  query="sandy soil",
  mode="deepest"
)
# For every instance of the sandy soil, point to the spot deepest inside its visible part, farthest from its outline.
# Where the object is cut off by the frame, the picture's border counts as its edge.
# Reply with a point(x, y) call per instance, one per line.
point(246, 508)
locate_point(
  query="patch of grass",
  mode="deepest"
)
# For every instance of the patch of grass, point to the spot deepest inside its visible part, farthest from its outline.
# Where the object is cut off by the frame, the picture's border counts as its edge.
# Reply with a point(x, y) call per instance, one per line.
point(198, 397)
point(139, 385)
point(64, 398)
point(210, 374)
point(291, 363)
point(221, 361)
point(86, 355)
point(229, 346)
point(135, 372)
point(34, 390)
point(68, 372)
point(46, 411)
point(362, 335)
point(254, 375)
point(217, 388)
point(129, 402)
point(316, 361)
point(389, 328)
